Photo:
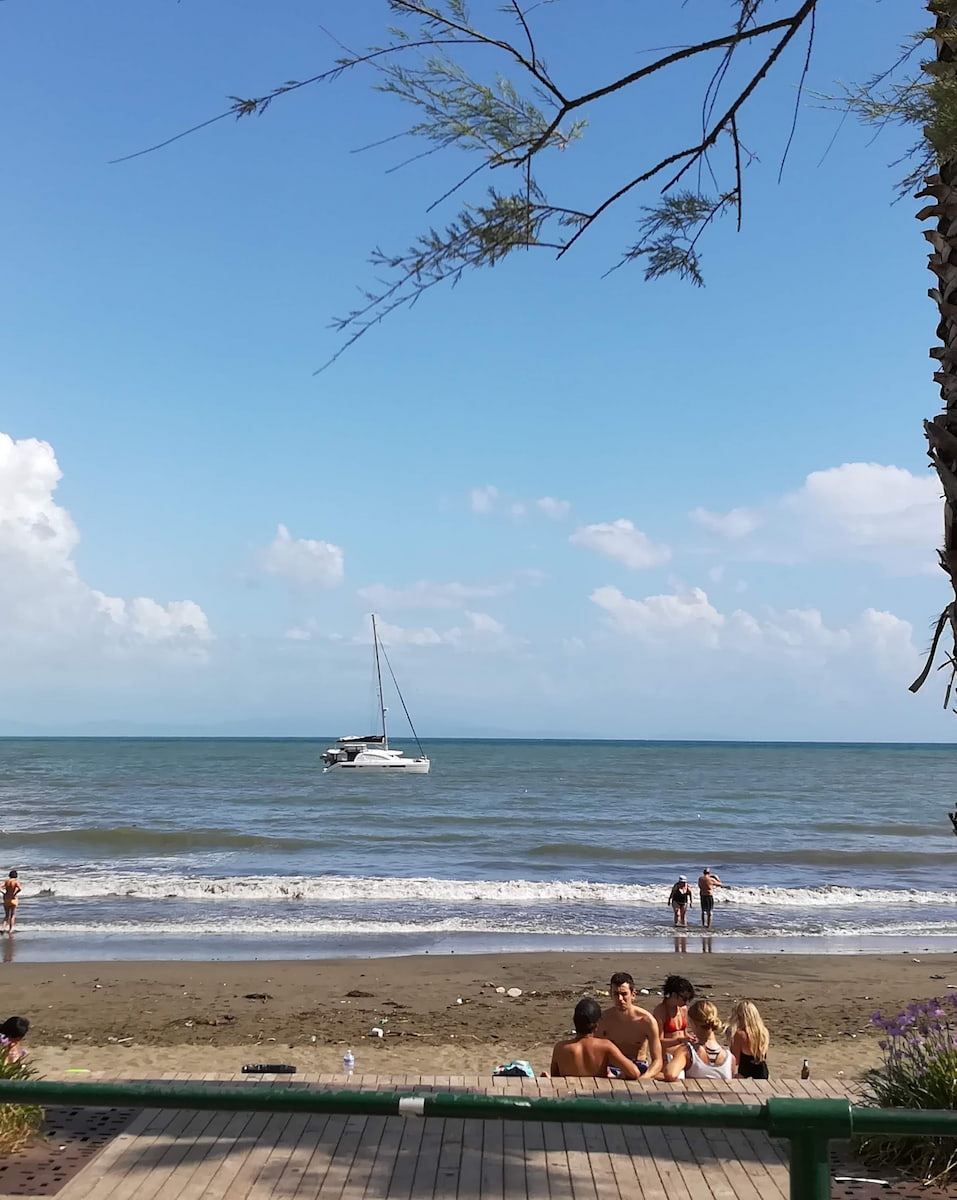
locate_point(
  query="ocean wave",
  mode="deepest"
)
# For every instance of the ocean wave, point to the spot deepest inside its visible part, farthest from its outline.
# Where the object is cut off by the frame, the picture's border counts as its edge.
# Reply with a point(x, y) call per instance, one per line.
point(132, 839)
point(763, 855)
point(378, 889)
point(255, 925)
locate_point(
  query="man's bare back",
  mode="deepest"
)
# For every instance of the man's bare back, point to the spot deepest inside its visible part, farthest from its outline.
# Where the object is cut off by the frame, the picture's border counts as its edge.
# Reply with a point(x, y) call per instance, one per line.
point(589, 1057)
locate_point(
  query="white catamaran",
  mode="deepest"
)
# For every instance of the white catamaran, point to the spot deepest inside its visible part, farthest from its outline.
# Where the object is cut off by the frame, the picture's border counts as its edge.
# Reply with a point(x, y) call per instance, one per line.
point(372, 752)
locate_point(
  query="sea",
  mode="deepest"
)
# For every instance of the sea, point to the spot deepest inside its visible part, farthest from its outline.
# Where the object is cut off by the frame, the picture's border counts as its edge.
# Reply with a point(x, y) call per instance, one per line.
point(229, 848)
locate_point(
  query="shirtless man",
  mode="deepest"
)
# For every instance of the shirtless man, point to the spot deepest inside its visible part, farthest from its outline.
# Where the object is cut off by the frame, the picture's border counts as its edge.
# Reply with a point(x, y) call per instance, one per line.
point(633, 1030)
point(707, 882)
point(586, 1056)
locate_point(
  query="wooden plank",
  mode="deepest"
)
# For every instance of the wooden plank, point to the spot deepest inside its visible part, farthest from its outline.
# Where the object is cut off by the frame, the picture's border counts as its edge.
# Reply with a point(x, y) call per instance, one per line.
point(357, 1177)
point(117, 1158)
point(556, 1162)
point(663, 1158)
point(405, 1163)
point(514, 1178)
point(449, 1161)
point(470, 1168)
point(613, 1168)
point(580, 1173)
point(342, 1158)
point(189, 1180)
point(492, 1178)
point(150, 1161)
point(284, 1148)
point(382, 1162)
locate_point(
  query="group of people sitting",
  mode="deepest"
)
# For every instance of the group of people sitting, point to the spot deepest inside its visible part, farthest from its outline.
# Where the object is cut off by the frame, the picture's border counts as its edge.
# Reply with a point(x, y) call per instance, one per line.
point(679, 1039)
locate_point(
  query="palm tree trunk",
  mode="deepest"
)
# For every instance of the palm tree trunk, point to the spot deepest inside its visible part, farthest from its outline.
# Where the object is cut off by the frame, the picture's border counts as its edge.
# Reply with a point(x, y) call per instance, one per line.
point(942, 430)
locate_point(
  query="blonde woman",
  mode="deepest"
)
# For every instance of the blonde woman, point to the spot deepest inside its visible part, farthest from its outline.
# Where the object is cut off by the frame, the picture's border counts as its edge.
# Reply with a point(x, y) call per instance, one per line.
point(749, 1040)
point(706, 1058)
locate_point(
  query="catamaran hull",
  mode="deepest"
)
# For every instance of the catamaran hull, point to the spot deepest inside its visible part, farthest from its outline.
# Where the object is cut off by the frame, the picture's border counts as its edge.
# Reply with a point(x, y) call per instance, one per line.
point(412, 767)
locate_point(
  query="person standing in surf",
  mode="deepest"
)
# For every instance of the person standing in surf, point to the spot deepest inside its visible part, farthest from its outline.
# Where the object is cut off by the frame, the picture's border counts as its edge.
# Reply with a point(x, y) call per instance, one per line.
point(11, 892)
point(679, 899)
point(707, 882)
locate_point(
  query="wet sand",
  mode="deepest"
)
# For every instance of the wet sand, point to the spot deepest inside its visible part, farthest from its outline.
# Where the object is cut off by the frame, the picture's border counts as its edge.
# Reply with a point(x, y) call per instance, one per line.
point(439, 1014)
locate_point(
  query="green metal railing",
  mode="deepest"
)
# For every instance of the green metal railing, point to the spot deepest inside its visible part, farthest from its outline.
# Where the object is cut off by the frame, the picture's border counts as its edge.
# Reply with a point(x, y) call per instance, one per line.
point(810, 1125)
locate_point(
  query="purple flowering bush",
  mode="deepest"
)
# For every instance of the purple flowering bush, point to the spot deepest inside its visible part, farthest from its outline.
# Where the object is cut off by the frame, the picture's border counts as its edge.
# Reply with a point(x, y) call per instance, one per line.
point(919, 1070)
point(18, 1122)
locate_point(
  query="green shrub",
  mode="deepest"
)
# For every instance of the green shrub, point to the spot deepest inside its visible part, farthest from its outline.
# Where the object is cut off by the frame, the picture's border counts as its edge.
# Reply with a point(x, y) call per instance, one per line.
point(18, 1122)
point(919, 1070)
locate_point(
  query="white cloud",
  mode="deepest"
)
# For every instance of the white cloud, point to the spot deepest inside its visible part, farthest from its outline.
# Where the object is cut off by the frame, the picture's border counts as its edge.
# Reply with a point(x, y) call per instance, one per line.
point(483, 499)
point(687, 618)
point(555, 510)
point(621, 541)
point(43, 601)
point(489, 499)
point(737, 523)
point(481, 632)
point(425, 594)
point(483, 623)
point(302, 561)
point(687, 613)
point(859, 511)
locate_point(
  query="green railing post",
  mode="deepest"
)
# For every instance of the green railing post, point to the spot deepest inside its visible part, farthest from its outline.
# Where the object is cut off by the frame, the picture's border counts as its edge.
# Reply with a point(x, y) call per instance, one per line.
point(810, 1166)
point(810, 1125)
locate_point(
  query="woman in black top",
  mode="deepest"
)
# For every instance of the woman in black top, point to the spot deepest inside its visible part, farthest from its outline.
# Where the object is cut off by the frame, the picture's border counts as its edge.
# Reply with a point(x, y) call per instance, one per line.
point(679, 900)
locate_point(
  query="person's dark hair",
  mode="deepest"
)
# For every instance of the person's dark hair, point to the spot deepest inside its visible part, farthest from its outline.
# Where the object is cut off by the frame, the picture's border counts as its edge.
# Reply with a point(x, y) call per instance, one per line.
point(621, 977)
point(587, 1015)
point(677, 985)
point(14, 1028)
point(13, 874)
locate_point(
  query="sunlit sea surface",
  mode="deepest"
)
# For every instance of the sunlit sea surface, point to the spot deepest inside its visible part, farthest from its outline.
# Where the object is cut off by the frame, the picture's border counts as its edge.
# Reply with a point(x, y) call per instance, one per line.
point(242, 848)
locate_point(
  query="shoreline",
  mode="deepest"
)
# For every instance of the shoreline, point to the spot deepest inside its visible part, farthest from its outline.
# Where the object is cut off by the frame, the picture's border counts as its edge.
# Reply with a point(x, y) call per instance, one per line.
point(440, 1014)
point(40, 946)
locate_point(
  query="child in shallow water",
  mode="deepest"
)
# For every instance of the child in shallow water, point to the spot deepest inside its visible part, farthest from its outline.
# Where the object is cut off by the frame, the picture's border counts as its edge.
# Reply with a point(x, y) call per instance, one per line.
point(749, 1040)
point(12, 1032)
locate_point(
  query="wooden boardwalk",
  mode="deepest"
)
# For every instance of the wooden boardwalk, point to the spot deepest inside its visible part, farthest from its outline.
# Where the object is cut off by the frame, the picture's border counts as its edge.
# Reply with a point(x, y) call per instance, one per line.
point(180, 1155)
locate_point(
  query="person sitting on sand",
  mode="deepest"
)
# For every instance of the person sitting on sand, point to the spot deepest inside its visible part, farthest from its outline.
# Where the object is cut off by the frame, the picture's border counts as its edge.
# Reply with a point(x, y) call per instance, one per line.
point(633, 1029)
point(749, 1040)
point(12, 1032)
point(586, 1056)
point(672, 1013)
point(679, 898)
point(706, 1058)
point(11, 890)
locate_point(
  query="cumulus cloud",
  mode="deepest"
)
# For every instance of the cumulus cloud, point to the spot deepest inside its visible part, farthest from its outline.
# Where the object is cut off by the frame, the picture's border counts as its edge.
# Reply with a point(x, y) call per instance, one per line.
point(302, 561)
point(489, 499)
point(657, 616)
point(480, 632)
point(554, 509)
point(621, 541)
point(737, 523)
point(687, 617)
point(425, 594)
point(483, 499)
point(43, 600)
point(863, 511)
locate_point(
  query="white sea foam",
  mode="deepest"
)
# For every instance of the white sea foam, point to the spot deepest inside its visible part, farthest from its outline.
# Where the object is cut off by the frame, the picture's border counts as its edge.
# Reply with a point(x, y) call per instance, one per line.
point(392, 889)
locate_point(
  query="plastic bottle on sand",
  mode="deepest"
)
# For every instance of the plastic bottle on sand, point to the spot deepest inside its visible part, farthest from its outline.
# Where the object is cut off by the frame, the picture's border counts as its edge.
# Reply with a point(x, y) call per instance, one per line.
point(348, 1062)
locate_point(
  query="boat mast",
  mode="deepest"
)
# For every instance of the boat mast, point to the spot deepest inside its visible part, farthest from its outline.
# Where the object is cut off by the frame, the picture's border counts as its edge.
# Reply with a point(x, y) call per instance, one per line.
point(378, 677)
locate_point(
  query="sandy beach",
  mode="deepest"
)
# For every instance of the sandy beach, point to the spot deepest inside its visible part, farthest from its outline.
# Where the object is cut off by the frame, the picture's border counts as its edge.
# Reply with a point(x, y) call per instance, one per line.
point(439, 1014)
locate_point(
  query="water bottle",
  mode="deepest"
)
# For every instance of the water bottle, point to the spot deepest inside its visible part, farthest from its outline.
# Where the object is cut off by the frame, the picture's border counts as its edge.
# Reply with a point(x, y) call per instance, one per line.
point(348, 1063)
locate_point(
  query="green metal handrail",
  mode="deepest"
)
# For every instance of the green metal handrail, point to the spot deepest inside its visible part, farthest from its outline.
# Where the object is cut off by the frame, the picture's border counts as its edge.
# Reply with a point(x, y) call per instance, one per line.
point(810, 1125)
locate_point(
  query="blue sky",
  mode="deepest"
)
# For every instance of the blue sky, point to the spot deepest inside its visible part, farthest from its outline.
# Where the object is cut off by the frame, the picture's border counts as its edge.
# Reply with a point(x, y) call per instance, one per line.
point(529, 477)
